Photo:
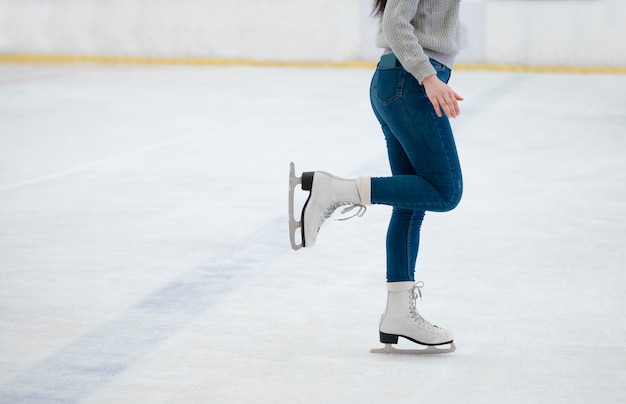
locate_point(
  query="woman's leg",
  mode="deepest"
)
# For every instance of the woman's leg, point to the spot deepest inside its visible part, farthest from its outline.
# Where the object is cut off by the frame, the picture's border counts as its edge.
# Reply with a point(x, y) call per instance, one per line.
point(403, 237)
point(423, 160)
point(410, 124)
point(426, 176)
point(403, 234)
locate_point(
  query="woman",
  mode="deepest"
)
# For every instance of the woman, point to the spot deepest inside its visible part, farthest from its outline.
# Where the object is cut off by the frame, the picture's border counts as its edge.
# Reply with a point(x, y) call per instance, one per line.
point(412, 101)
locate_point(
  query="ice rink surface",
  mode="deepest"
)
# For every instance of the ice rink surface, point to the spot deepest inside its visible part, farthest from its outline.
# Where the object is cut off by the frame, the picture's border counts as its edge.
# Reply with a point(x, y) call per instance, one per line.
point(144, 252)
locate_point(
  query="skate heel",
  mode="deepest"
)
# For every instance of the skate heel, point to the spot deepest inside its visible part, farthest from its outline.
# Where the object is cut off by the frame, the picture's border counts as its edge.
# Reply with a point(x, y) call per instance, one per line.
point(294, 224)
point(388, 338)
point(307, 180)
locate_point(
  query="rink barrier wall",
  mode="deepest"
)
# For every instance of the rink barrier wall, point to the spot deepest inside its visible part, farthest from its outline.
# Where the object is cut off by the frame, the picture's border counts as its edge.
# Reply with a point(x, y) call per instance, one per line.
point(577, 34)
point(69, 59)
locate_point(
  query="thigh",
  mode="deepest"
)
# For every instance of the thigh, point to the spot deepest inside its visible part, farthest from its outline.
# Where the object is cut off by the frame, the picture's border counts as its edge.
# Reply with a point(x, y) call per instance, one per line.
point(419, 142)
point(399, 162)
point(425, 138)
point(387, 87)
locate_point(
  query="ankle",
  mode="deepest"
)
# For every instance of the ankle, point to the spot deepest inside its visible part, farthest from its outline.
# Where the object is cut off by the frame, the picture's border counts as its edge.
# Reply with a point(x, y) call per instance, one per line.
point(364, 188)
point(400, 286)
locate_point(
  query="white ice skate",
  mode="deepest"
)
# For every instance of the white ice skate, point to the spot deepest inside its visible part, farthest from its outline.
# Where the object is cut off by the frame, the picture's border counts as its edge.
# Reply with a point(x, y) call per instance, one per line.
point(401, 319)
point(326, 194)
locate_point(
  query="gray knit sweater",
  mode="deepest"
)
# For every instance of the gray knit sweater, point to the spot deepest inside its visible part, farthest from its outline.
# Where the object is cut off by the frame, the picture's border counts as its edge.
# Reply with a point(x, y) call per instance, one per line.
point(416, 30)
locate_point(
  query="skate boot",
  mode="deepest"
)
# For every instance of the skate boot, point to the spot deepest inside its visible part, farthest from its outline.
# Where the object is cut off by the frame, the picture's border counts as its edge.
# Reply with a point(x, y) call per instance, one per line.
point(401, 319)
point(326, 194)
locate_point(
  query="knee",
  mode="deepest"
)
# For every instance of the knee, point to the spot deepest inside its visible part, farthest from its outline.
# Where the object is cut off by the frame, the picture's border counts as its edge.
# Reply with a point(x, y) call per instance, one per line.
point(452, 196)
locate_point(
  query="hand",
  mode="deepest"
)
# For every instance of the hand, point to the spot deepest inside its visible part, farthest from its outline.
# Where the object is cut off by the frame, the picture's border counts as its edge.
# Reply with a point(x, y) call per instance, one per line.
point(442, 96)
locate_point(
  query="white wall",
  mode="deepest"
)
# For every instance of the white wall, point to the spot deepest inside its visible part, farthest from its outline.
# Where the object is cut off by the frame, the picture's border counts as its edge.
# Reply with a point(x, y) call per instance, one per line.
point(531, 32)
point(251, 29)
point(579, 33)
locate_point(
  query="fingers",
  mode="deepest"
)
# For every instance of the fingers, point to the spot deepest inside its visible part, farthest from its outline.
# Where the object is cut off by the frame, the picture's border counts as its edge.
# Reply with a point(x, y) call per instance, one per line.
point(449, 106)
point(442, 97)
point(437, 109)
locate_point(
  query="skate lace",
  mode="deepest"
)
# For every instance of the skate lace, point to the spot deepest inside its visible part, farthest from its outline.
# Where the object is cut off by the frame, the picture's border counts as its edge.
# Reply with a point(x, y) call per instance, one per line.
point(350, 206)
point(414, 294)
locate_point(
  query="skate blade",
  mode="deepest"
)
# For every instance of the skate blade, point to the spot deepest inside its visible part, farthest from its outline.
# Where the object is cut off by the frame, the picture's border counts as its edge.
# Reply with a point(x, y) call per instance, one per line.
point(294, 224)
point(428, 350)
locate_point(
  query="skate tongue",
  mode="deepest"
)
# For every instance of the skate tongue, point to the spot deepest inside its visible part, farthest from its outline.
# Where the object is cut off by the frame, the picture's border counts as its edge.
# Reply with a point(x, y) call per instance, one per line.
point(416, 291)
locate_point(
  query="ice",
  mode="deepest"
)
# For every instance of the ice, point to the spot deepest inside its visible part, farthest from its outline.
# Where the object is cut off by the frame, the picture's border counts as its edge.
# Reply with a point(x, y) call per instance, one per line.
point(144, 250)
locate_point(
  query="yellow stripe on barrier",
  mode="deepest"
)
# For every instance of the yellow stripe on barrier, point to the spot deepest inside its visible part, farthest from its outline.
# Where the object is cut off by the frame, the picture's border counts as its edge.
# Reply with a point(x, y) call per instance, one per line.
point(543, 69)
point(35, 59)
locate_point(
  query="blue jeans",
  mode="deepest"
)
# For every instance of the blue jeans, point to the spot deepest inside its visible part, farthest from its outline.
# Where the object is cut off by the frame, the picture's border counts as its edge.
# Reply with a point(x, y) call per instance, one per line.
point(426, 174)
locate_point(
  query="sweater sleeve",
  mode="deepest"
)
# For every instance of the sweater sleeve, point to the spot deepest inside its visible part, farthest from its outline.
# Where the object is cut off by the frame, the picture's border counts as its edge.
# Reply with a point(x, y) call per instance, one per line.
point(403, 41)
